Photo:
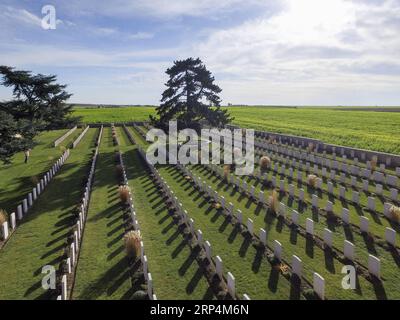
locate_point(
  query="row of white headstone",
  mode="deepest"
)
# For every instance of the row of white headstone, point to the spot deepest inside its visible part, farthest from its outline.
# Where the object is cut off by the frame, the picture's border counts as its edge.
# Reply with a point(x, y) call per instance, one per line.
point(80, 225)
point(349, 248)
point(298, 150)
point(63, 137)
point(28, 202)
point(392, 180)
point(80, 137)
point(333, 165)
point(143, 257)
point(141, 132)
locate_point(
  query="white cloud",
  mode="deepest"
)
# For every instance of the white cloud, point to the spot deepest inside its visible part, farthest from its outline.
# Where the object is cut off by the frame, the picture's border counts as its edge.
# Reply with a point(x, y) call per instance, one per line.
point(20, 16)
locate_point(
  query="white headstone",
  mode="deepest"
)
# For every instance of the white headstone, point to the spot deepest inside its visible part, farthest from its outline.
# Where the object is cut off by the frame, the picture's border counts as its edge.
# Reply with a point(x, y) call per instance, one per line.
point(4, 230)
point(295, 217)
point(297, 266)
point(219, 266)
point(149, 285)
point(374, 266)
point(329, 206)
point(315, 201)
point(13, 221)
point(231, 284)
point(278, 250)
point(319, 286)
point(328, 238)
point(355, 197)
point(348, 250)
point(371, 203)
point(310, 226)
point(199, 236)
point(346, 215)
point(394, 193)
point(19, 212)
point(342, 192)
point(301, 195)
point(64, 292)
point(263, 236)
point(364, 224)
point(207, 247)
point(239, 216)
point(250, 226)
point(390, 236)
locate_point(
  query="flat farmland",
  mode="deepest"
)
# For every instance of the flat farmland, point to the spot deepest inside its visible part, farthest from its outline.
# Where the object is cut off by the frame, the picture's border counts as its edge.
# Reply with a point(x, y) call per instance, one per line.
point(373, 130)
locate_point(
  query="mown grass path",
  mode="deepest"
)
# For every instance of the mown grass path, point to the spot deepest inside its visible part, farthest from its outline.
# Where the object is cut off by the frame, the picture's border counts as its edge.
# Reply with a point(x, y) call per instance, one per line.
point(41, 238)
point(176, 274)
point(103, 270)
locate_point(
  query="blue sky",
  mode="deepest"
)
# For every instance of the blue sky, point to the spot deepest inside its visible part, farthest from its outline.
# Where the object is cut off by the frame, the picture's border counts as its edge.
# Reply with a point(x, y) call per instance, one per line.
point(298, 52)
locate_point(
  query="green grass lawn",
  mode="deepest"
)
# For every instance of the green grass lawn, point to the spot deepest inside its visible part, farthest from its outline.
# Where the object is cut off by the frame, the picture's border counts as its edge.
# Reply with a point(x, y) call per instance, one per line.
point(18, 179)
point(362, 129)
point(41, 238)
point(103, 271)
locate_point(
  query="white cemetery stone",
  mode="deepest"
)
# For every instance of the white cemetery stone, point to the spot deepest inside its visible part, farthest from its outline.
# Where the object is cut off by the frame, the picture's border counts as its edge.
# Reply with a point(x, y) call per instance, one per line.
point(239, 216)
point(319, 286)
point(261, 197)
point(386, 209)
point(34, 193)
point(250, 226)
point(319, 183)
point(64, 287)
point(282, 209)
point(328, 237)
point(364, 224)
point(310, 226)
point(200, 236)
point(145, 266)
point(263, 236)
point(69, 268)
point(332, 175)
point(378, 176)
point(378, 189)
point(222, 201)
point(353, 181)
point(282, 186)
point(371, 203)
point(30, 200)
point(291, 190)
point(329, 206)
point(391, 180)
point(273, 181)
point(390, 236)
point(72, 252)
point(315, 201)
point(252, 190)
point(246, 297)
point(394, 193)
point(277, 250)
point(342, 177)
point(365, 185)
point(231, 284)
point(207, 247)
point(25, 206)
point(301, 195)
point(219, 266)
point(348, 250)
point(141, 250)
point(346, 215)
point(374, 266)
point(76, 241)
point(342, 192)
point(230, 208)
point(299, 176)
point(19, 212)
point(355, 197)
point(297, 266)
point(149, 285)
point(13, 221)
point(4, 230)
point(398, 171)
point(330, 187)
point(295, 217)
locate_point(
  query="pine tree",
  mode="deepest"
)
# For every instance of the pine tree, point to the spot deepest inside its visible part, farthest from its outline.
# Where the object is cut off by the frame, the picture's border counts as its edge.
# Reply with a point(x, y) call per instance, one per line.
point(191, 97)
point(38, 104)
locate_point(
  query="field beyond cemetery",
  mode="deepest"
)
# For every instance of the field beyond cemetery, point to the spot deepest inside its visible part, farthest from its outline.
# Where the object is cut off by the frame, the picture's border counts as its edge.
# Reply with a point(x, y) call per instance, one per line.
point(357, 127)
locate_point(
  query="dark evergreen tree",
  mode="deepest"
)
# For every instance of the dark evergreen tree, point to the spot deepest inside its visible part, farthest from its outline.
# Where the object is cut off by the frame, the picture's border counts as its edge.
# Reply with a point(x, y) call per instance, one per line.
point(38, 104)
point(191, 97)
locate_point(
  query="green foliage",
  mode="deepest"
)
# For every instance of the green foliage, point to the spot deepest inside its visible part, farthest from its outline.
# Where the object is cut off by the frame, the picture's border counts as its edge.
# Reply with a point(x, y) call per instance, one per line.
point(190, 85)
point(38, 104)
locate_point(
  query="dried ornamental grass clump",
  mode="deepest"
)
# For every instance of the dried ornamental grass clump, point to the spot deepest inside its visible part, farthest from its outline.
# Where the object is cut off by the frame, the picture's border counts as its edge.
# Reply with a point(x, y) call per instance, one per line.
point(227, 171)
point(312, 180)
point(132, 243)
point(273, 202)
point(311, 147)
point(265, 162)
point(124, 193)
point(3, 216)
point(395, 213)
point(374, 163)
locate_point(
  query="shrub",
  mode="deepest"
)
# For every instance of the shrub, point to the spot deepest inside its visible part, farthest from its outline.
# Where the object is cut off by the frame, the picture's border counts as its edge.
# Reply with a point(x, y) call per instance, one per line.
point(265, 162)
point(139, 295)
point(3, 216)
point(312, 180)
point(311, 147)
point(374, 163)
point(395, 213)
point(273, 202)
point(227, 171)
point(124, 193)
point(132, 243)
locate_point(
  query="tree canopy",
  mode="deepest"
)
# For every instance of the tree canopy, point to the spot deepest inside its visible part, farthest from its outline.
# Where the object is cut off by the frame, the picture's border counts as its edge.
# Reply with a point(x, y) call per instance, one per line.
point(38, 104)
point(191, 96)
